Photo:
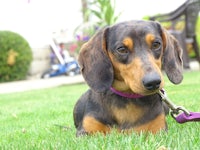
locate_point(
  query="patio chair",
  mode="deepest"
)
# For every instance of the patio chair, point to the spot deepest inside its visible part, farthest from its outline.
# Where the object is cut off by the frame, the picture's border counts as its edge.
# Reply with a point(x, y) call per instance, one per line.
point(187, 14)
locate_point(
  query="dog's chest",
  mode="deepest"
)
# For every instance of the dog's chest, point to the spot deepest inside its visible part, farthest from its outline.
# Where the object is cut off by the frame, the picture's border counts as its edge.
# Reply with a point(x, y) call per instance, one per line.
point(130, 113)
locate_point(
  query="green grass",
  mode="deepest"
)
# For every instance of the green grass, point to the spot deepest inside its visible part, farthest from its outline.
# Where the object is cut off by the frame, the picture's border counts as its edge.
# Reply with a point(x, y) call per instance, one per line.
point(28, 121)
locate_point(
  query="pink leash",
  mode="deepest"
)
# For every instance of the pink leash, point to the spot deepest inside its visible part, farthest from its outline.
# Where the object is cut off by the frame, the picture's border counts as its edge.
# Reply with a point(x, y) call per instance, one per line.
point(185, 116)
point(193, 116)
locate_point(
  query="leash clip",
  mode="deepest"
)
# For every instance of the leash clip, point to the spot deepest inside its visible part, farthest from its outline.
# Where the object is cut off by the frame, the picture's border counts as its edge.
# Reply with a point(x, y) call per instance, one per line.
point(175, 110)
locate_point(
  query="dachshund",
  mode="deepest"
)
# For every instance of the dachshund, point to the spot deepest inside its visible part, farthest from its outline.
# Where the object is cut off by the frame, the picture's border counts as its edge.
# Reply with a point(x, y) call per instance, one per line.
point(122, 64)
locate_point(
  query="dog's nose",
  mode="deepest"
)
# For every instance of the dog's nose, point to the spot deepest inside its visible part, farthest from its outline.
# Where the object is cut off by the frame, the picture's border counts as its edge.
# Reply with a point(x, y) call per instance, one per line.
point(151, 81)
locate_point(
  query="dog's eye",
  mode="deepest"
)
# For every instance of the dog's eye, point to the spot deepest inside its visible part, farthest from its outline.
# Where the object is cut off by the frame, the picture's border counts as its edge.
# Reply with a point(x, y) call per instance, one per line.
point(156, 45)
point(122, 50)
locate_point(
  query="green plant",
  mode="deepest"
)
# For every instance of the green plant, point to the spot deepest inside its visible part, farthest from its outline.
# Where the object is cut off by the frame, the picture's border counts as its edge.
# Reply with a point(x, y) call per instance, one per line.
point(104, 11)
point(15, 56)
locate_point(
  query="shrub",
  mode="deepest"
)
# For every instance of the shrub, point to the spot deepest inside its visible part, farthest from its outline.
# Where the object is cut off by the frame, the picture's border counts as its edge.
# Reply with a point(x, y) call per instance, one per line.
point(15, 56)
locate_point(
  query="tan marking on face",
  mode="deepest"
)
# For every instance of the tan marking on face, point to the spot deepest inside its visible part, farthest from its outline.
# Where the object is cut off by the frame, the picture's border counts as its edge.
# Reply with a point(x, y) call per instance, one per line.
point(132, 74)
point(157, 65)
point(128, 77)
point(91, 125)
point(123, 115)
point(149, 39)
point(128, 42)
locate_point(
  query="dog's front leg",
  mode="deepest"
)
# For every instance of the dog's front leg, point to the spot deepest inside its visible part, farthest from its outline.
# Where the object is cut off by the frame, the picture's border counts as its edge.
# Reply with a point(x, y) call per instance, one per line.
point(91, 125)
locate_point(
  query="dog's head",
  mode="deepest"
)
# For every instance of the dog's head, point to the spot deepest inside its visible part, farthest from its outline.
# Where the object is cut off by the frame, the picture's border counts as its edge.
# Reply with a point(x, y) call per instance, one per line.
point(129, 56)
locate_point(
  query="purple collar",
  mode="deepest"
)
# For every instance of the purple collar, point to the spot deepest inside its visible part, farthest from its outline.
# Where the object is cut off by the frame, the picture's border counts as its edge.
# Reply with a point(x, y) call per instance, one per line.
point(125, 94)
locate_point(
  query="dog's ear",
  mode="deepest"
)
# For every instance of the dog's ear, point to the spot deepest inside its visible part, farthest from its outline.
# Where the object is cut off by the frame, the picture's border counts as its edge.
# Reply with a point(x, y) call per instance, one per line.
point(172, 58)
point(95, 65)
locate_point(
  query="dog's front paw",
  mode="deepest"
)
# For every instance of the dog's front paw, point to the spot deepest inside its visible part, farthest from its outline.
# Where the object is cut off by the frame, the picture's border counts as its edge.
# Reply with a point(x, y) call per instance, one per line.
point(81, 132)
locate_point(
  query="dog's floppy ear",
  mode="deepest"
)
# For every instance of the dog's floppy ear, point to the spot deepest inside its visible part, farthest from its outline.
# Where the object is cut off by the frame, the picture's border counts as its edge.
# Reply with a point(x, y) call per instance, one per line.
point(95, 65)
point(172, 59)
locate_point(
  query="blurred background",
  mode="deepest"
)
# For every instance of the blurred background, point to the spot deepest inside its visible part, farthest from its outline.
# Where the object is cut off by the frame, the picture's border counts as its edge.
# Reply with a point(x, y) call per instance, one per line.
point(70, 22)
point(37, 20)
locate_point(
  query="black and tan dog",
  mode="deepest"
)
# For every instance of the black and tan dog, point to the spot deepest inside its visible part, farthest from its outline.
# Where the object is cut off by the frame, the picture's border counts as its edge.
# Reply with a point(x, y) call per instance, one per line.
point(122, 65)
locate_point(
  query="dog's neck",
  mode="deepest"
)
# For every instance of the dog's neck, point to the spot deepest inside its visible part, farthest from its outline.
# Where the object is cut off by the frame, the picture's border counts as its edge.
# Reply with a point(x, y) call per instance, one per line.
point(127, 95)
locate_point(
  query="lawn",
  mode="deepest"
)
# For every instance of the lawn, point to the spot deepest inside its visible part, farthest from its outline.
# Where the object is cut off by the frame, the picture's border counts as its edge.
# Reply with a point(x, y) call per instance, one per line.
point(43, 120)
